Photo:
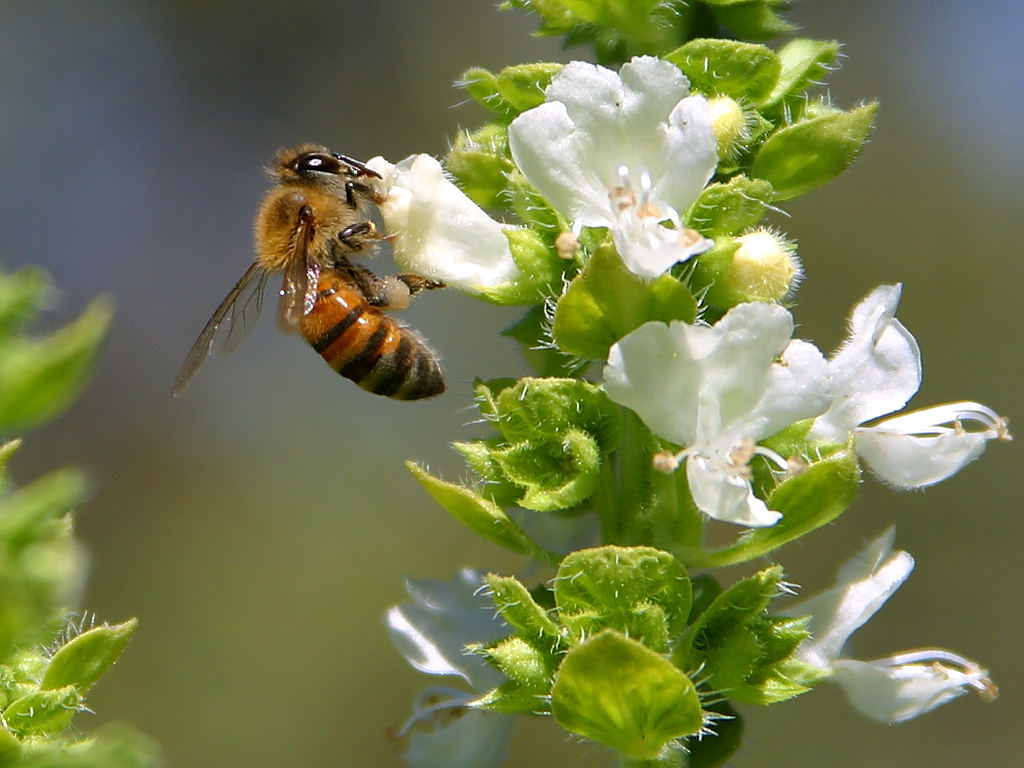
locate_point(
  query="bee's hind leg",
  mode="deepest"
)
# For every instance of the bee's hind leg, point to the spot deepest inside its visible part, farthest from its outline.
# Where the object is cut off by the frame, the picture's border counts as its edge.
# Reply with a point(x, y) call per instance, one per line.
point(418, 283)
point(396, 291)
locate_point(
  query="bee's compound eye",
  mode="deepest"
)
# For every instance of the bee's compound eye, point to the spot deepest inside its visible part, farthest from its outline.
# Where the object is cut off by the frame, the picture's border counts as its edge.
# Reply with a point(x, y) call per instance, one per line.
point(317, 162)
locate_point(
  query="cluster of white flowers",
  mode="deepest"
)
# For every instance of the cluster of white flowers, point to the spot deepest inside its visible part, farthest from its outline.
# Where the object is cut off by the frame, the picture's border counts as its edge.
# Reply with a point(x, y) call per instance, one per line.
point(719, 389)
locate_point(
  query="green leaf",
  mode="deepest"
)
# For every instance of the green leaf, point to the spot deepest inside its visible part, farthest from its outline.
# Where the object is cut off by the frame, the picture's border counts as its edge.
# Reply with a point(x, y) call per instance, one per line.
point(41, 566)
point(6, 451)
point(616, 586)
point(44, 712)
point(480, 163)
point(730, 67)
point(617, 692)
point(480, 456)
point(800, 157)
point(803, 63)
point(482, 85)
point(480, 515)
point(807, 501)
point(755, 19)
point(730, 208)
point(113, 746)
point(522, 86)
point(540, 270)
point(743, 650)
point(606, 301)
point(532, 408)
point(555, 432)
point(515, 697)
point(533, 208)
point(28, 514)
point(513, 90)
point(82, 661)
point(518, 608)
point(22, 295)
point(39, 379)
point(10, 748)
point(728, 613)
point(555, 473)
point(519, 661)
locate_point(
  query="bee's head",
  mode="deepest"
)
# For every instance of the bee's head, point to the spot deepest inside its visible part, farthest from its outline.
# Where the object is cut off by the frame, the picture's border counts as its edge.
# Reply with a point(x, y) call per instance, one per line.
point(317, 165)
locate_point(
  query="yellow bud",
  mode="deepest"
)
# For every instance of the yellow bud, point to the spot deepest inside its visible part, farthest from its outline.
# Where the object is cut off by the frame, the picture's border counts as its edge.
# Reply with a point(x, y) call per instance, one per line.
point(729, 123)
point(764, 267)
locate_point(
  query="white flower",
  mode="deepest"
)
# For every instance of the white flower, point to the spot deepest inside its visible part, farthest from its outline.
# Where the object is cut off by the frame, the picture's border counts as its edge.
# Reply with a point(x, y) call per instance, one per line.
point(717, 390)
point(892, 689)
point(864, 583)
point(627, 151)
point(432, 632)
point(437, 231)
point(875, 372)
point(906, 685)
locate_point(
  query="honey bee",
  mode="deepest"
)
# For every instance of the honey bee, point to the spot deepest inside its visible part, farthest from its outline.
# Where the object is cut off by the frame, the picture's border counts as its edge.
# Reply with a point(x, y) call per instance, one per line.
point(314, 218)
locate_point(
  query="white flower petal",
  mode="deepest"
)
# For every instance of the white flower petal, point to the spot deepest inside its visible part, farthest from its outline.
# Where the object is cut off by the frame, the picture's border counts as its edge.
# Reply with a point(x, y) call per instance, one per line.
point(892, 694)
point(918, 449)
point(437, 231)
point(726, 497)
point(551, 153)
point(691, 154)
point(876, 370)
point(866, 582)
point(649, 250)
point(651, 371)
point(433, 630)
point(798, 388)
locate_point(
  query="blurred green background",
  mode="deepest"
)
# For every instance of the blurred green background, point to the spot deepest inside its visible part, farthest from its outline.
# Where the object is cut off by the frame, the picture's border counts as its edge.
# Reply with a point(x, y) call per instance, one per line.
point(261, 524)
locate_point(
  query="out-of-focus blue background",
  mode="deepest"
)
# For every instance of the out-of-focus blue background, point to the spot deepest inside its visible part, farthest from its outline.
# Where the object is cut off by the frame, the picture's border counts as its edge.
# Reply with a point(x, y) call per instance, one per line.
point(260, 525)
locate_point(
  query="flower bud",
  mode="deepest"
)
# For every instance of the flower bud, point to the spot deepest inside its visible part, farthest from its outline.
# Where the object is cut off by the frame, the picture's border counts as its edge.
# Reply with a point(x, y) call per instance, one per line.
point(758, 266)
point(765, 266)
point(730, 125)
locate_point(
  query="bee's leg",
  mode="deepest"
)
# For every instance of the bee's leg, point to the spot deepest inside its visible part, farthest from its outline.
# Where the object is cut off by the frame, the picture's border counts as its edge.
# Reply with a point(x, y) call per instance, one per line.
point(354, 190)
point(418, 283)
point(356, 236)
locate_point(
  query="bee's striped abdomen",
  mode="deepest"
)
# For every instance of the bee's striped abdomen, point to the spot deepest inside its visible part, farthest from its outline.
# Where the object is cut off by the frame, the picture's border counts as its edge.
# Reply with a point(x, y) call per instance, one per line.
point(367, 346)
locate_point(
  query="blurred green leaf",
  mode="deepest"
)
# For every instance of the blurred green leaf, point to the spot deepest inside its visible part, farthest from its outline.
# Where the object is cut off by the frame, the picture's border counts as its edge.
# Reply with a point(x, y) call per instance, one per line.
point(22, 295)
point(39, 379)
point(43, 712)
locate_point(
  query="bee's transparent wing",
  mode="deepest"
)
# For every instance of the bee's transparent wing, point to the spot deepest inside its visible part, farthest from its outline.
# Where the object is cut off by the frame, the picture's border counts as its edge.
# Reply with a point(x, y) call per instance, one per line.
point(298, 291)
point(230, 323)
